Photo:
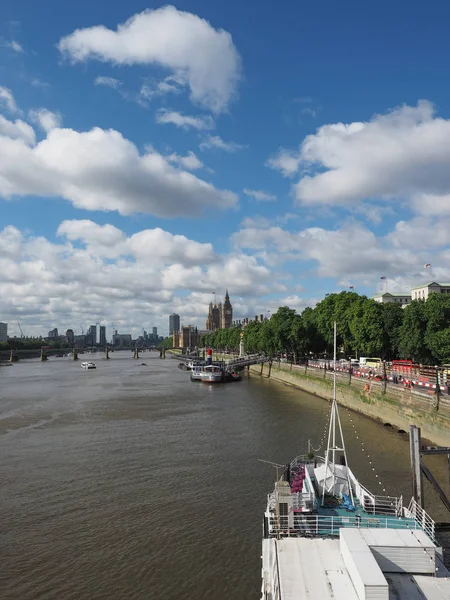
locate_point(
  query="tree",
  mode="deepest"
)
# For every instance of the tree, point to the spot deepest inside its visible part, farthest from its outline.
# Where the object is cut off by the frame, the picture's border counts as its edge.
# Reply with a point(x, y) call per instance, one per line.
point(367, 327)
point(314, 341)
point(392, 321)
point(337, 307)
point(437, 337)
point(252, 337)
point(412, 334)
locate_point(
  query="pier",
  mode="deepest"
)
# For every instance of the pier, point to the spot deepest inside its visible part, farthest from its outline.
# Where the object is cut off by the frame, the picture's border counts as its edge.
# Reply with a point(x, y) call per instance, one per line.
point(230, 365)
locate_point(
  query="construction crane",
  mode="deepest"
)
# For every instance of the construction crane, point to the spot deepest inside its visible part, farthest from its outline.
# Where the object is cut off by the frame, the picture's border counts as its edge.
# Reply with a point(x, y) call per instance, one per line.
point(21, 332)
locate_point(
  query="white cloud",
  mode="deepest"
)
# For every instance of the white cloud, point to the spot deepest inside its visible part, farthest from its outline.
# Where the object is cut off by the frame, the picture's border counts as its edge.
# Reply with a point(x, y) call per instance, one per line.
point(431, 204)
point(309, 111)
point(17, 130)
point(215, 141)
point(111, 82)
point(191, 162)
point(15, 46)
point(133, 281)
point(259, 195)
point(7, 99)
point(36, 82)
point(404, 154)
point(352, 250)
point(173, 84)
point(285, 161)
point(421, 233)
point(177, 40)
point(160, 244)
point(101, 170)
point(46, 119)
point(256, 221)
point(91, 233)
point(164, 116)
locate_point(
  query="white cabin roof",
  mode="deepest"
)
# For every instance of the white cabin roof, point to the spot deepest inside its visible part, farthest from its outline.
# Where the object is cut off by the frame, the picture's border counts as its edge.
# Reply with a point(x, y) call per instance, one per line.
point(314, 568)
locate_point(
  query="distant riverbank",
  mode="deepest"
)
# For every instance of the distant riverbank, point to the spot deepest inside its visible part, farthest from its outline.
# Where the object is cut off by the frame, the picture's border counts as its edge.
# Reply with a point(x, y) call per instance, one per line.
point(398, 407)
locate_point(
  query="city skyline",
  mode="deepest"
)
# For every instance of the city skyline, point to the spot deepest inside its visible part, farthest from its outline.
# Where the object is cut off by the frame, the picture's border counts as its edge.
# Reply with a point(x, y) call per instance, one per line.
point(279, 162)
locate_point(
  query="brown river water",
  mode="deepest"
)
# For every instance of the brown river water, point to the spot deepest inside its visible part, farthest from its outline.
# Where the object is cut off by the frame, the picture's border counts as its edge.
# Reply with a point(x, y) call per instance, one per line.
point(129, 482)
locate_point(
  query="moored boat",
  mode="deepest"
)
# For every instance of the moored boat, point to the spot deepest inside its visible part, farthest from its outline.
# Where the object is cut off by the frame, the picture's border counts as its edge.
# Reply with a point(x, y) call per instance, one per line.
point(211, 374)
point(88, 365)
point(326, 536)
point(196, 373)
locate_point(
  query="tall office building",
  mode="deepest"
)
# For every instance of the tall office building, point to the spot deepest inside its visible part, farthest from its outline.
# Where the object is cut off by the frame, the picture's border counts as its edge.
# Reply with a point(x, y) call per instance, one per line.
point(155, 331)
point(102, 336)
point(53, 334)
point(3, 332)
point(174, 323)
point(91, 337)
point(70, 337)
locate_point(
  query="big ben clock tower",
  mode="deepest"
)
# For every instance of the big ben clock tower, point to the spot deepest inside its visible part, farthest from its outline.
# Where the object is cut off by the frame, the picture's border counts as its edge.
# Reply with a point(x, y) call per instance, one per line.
point(227, 312)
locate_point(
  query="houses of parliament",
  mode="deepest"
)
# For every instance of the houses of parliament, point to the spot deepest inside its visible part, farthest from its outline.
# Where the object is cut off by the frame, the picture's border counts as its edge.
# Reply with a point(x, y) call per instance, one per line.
point(220, 316)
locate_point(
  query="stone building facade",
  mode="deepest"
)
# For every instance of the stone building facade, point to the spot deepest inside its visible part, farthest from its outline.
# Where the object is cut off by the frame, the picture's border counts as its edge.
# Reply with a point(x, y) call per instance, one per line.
point(220, 316)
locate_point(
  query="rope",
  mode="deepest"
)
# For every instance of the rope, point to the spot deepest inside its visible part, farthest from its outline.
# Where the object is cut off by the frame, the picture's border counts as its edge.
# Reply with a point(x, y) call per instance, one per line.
point(362, 444)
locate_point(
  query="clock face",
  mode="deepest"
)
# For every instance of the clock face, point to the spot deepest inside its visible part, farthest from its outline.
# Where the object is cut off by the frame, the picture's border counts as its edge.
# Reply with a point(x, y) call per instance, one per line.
point(228, 312)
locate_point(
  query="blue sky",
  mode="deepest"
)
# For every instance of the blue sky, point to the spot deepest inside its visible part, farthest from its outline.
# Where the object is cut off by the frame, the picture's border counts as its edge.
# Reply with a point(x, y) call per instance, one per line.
point(152, 154)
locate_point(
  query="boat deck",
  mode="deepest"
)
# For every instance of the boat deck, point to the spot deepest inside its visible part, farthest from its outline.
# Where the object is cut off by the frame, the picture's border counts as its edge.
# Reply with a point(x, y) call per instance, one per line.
point(328, 520)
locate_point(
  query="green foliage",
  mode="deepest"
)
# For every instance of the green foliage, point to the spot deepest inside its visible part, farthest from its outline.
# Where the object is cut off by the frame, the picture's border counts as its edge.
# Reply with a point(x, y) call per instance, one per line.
point(420, 332)
point(392, 321)
point(166, 343)
point(412, 334)
point(31, 344)
point(366, 325)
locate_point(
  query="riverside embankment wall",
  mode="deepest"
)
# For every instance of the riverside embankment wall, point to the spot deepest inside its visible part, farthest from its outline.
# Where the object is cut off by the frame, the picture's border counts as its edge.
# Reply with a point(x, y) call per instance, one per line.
point(397, 406)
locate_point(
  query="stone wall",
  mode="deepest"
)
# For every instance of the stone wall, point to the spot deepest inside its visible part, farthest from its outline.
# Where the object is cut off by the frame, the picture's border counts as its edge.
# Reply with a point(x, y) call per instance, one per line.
point(398, 406)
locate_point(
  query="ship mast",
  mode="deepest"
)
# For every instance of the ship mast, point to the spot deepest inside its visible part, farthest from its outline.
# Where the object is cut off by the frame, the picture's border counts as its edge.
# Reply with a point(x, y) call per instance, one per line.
point(332, 446)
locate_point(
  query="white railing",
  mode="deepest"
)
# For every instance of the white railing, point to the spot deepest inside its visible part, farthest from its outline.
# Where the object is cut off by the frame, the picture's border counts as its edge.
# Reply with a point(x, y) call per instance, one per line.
point(307, 525)
point(416, 512)
point(374, 503)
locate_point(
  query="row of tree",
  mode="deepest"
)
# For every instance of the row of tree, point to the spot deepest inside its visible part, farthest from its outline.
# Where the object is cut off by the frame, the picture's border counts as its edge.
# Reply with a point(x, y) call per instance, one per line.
point(420, 332)
point(31, 344)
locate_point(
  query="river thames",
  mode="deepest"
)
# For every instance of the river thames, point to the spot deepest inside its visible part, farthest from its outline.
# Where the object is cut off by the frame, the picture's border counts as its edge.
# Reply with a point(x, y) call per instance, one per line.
point(129, 482)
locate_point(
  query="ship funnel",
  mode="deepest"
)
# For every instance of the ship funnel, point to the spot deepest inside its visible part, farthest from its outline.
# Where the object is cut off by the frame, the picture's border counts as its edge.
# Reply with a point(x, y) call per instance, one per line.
point(209, 356)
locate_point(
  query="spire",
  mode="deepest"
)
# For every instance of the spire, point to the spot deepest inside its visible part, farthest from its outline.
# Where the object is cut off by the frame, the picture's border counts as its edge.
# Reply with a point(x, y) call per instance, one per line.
point(227, 297)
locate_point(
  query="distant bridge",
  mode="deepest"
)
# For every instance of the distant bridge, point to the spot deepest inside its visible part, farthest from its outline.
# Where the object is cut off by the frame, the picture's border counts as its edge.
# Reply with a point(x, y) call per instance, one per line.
point(13, 355)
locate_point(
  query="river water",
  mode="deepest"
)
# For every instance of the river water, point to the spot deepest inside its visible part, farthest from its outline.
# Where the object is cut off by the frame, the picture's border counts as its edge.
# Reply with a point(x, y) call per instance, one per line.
point(129, 482)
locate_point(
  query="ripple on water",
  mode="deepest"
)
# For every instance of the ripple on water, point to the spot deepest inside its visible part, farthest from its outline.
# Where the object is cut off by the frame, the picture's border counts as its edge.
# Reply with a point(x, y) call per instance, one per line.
point(136, 484)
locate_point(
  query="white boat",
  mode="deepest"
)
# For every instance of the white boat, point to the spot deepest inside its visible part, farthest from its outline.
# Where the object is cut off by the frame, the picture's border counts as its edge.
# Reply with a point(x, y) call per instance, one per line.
point(192, 364)
point(211, 374)
point(88, 365)
point(326, 536)
point(196, 373)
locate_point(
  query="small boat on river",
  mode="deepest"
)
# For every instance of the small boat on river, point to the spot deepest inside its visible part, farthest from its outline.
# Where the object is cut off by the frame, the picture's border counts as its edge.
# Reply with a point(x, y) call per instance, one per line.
point(88, 365)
